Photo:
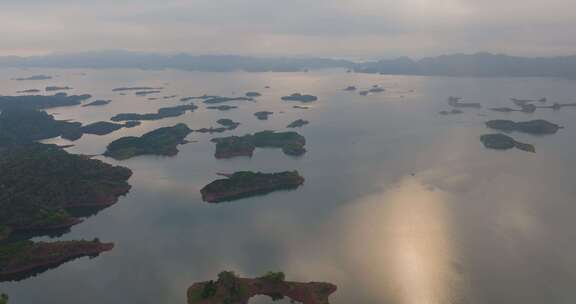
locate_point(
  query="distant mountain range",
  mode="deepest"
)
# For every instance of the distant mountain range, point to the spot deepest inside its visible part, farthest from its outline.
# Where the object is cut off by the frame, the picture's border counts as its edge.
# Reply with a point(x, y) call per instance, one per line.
point(480, 64)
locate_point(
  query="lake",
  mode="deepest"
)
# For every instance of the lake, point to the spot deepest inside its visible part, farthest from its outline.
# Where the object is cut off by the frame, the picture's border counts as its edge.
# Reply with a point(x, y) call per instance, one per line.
point(400, 204)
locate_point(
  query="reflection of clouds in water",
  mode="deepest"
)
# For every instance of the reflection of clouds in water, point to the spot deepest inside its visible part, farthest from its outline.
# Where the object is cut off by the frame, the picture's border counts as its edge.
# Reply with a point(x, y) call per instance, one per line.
point(400, 241)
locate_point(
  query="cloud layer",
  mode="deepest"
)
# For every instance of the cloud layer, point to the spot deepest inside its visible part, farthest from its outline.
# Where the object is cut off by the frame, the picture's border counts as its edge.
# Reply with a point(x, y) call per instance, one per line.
point(343, 28)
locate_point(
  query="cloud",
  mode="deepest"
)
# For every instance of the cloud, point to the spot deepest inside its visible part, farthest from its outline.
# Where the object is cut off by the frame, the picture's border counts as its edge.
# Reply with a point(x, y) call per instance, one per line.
point(313, 27)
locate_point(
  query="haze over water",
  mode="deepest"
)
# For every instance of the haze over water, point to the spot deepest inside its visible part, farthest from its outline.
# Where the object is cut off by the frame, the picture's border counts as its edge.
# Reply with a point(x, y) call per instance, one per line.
point(400, 204)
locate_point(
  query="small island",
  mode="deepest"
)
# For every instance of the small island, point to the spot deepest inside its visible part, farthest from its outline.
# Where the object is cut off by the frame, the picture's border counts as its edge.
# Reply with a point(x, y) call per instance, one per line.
point(144, 93)
point(231, 289)
point(100, 102)
point(123, 89)
point(23, 259)
point(57, 88)
point(451, 112)
point(229, 123)
point(263, 115)
point(457, 103)
point(101, 128)
point(162, 113)
point(162, 141)
point(28, 91)
point(300, 107)
point(34, 77)
point(222, 107)
point(504, 142)
point(300, 97)
point(297, 123)
point(291, 143)
point(219, 99)
point(538, 126)
point(350, 88)
point(246, 183)
point(253, 94)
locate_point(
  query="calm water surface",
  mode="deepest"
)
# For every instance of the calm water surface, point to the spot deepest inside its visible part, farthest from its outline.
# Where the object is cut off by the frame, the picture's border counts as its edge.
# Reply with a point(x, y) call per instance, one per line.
point(400, 205)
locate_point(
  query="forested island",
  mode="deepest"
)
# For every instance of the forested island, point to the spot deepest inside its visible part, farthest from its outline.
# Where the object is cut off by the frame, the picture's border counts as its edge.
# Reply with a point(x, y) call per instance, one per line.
point(23, 259)
point(291, 143)
point(300, 97)
point(504, 142)
point(538, 126)
point(40, 183)
point(24, 124)
point(162, 141)
point(100, 102)
point(263, 115)
point(42, 101)
point(297, 123)
point(231, 289)
point(246, 183)
point(161, 113)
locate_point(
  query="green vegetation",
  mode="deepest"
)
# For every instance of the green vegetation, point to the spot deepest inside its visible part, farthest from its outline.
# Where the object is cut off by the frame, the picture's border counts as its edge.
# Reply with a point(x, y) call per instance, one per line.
point(162, 141)
point(42, 101)
point(538, 126)
point(298, 123)
point(291, 143)
point(4, 298)
point(24, 124)
point(504, 142)
point(24, 258)
point(300, 97)
point(161, 113)
point(246, 183)
point(274, 277)
point(39, 182)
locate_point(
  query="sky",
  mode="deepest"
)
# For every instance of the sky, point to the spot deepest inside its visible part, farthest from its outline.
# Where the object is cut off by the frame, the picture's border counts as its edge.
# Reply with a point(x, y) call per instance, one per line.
point(328, 28)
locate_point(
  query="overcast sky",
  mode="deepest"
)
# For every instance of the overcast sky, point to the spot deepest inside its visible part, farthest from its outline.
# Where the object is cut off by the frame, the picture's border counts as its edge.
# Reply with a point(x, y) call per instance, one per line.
point(336, 28)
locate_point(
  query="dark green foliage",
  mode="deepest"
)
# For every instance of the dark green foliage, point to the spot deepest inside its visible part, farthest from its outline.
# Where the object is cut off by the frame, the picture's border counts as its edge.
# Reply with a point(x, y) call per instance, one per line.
point(246, 183)
point(4, 298)
point(300, 97)
point(162, 141)
point(291, 142)
point(28, 124)
point(538, 126)
point(38, 182)
point(162, 113)
point(504, 142)
point(209, 290)
point(101, 128)
point(41, 101)
point(274, 277)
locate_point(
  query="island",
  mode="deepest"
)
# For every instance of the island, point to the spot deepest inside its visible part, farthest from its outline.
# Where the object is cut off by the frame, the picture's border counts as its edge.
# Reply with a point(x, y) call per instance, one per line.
point(291, 143)
point(300, 97)
point(504, 142)
point(457, 103)
point(538, 126)
point(188, 98)
point(101, 128)
point(144, 93)
point(57, 88)
point(219, 99)
point(34, 77)
point(229, 123)
point(25, 124)
point(28, 91)
point(162, 141)
point(297, 123)
point(263, 115)
point(350, 88)
point(161, 113)
point(23, 259)
point(42, 183)
point(231, 289)
point(451, 112)
point(246, 183)
point(122, 89)
point(222, 107)
point(300, 107)
point(376, 89)
point(100, 102)
point(42, 101)
point(253, 94)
